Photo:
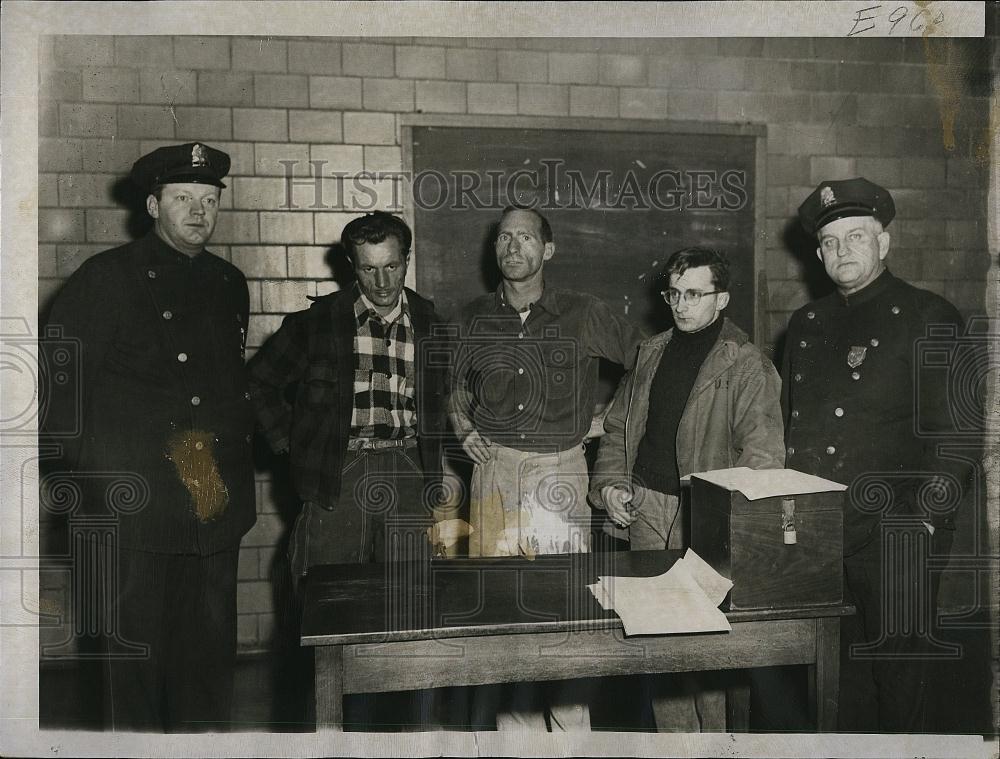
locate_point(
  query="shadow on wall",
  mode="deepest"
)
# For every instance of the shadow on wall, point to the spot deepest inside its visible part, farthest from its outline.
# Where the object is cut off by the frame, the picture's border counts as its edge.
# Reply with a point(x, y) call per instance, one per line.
point(801, 246)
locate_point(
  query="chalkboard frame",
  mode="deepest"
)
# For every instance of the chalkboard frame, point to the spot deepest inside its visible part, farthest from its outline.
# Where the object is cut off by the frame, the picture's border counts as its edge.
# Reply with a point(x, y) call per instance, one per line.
point(758, 131)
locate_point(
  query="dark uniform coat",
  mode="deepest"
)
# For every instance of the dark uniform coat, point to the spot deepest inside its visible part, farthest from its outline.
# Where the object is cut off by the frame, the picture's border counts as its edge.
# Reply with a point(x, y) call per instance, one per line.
point(862, 404)
point(164, 407)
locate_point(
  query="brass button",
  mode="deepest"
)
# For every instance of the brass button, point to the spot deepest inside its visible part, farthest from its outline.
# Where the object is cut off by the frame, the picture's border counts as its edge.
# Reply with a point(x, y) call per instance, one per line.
point(195, 401)
point(151, 274)
point(168, 315)
point(803, 344)
point(522, 436)
point(895, 310)
point(831, 450)
point(855, 375)
point(520, 370)
point(182, 357)
point(838, 411)
point(520, 407)
point(246, 395)
point(798, 377)
point(795, 414)
point(199, 445)
point(249, 438)
point(520, 335)
point(811, 315)
point(874, 342)
point(791, 451)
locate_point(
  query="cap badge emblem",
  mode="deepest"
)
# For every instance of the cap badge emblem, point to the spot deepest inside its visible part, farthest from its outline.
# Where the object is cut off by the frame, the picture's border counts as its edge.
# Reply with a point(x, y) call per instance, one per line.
point(856, 355)
point(826, 196)
point(198, 157)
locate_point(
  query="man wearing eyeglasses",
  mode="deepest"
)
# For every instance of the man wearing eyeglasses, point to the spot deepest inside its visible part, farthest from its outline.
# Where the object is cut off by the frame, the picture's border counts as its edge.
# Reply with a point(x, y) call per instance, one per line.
point(701, 396)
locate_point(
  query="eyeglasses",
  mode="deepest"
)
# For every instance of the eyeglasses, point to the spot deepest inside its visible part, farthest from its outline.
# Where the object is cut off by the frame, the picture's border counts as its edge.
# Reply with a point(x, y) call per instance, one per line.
point(691, 297)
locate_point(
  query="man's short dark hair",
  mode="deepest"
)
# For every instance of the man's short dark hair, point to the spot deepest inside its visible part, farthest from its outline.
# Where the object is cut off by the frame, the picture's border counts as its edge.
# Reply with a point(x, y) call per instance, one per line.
point(692, 258)
point(374, 228)
point(546, 227)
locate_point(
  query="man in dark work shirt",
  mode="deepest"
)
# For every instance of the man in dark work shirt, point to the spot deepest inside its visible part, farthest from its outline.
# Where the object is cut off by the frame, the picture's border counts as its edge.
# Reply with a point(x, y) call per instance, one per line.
point(700, 397)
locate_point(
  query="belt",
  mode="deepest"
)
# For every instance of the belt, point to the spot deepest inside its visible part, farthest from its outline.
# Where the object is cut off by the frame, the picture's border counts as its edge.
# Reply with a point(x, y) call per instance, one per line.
point(375, 444)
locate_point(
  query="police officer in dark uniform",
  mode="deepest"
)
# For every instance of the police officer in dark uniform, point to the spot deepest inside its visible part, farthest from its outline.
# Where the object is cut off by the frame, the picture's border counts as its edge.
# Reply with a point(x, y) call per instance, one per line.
point(164, 454)
point(861, 409)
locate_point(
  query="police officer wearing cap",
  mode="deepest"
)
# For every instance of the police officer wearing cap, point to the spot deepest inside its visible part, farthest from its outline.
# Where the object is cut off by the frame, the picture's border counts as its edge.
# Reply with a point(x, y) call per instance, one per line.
point(851, 385)
point(164, 408)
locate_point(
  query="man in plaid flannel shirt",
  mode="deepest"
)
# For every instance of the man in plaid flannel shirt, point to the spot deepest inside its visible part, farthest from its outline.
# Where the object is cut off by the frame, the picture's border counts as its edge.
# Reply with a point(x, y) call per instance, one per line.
point(364, 428)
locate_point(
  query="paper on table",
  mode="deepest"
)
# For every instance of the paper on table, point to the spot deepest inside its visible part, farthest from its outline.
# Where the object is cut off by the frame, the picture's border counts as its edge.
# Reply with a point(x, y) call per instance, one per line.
point(766, 483)
point(682, 600)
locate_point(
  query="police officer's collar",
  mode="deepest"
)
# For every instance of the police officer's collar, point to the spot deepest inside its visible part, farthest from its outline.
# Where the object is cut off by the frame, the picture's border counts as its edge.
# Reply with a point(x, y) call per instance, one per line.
point(547, 300)
point(165, 253)
point(881, 283)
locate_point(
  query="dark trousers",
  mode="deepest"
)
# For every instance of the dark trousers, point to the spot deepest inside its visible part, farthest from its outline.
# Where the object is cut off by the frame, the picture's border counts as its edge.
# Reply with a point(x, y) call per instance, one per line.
point(182, 610)
point(887, 646)
point(379, 517)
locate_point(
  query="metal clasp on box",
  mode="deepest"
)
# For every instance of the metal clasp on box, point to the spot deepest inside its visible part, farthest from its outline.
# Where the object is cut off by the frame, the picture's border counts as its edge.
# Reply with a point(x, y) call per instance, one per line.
point(788, 536)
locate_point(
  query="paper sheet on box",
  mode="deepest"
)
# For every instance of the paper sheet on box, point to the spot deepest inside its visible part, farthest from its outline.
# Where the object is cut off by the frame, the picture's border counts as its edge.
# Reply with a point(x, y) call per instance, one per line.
point(685, 599)
point(767, 483)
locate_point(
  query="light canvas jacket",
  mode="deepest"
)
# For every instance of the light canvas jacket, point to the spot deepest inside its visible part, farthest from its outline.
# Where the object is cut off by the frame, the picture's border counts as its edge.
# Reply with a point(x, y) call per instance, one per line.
point(732, 417)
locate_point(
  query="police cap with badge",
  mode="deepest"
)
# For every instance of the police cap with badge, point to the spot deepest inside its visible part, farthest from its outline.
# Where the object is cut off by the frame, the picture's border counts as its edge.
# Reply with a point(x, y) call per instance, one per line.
point(847, 197)
point(192, 162)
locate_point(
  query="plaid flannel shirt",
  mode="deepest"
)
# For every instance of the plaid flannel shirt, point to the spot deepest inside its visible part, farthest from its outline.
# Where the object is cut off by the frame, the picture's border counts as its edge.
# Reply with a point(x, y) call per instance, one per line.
point(302, 386)
point(384, 404)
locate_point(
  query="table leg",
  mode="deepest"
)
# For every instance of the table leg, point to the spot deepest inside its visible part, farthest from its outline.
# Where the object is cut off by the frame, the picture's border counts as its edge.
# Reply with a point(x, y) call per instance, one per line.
point(329, 688)
point(738, 702)
point(824, 677)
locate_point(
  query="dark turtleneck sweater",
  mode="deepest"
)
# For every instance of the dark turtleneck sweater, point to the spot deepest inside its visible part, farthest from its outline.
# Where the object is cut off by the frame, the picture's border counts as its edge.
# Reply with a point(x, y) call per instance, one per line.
point(656, 461)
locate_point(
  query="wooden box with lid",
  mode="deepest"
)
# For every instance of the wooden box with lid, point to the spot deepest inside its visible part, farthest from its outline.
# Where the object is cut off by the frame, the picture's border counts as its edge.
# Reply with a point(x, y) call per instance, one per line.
point(780, 551)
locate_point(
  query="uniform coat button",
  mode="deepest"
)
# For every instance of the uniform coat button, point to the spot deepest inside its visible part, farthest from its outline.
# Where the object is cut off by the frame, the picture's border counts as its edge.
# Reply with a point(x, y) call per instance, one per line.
point(831, 450)
point(811, 315)
point(803, 344)
point(246, 395)
point(874, 342)
point(855, 375)
point(195, 400)
point(249, 438)
point(151, 274)
point(790, 450)
point(182, 357)
point(168, 315)
point(798, 377)
point(199, 445)
point(795, 414)
point(838, 411)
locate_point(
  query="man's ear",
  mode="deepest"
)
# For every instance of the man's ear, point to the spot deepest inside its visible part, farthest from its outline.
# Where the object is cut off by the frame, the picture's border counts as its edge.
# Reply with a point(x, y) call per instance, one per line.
point(550, 250)
point(819, 254)
point(883, 245)
point(152, 206)
point(722, 302)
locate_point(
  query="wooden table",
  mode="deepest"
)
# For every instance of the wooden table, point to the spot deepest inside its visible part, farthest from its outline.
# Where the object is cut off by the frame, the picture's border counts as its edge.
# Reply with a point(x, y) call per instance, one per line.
point(427, 624)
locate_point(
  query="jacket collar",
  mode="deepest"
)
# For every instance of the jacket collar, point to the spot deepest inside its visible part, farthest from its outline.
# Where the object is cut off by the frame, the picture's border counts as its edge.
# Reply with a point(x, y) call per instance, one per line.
point(719, 359)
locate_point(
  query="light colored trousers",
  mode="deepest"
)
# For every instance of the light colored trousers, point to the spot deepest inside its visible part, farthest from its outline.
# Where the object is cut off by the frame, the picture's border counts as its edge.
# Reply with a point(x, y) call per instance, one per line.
point(680, 702)
point(525, 504)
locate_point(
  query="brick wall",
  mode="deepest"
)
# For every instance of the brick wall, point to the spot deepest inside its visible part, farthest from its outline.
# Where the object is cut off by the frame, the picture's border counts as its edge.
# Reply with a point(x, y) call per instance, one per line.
point(910, 114)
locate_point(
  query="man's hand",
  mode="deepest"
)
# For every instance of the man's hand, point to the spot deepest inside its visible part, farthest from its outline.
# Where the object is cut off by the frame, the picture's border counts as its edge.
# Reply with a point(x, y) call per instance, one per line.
point(477, 447)
point(619, 504)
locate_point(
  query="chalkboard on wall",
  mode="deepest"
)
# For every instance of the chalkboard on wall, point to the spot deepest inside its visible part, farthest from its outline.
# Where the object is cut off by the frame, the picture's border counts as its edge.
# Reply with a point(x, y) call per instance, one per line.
point(621, 196)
